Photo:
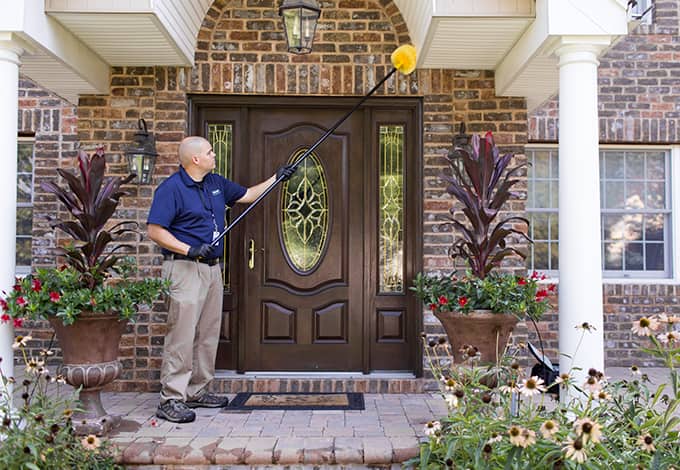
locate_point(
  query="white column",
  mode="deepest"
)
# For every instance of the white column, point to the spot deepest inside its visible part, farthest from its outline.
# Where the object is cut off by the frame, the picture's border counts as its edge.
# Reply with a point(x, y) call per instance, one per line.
point(9, 103)
point(580, 266)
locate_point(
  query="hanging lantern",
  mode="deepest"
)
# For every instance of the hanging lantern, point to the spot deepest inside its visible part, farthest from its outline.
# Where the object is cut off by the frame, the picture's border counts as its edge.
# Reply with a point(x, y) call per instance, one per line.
point(299, 23)
point(141, 155)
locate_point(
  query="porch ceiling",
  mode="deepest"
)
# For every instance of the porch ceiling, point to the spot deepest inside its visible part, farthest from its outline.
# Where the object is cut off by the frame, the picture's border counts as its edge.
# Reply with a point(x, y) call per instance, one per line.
point(134, 32)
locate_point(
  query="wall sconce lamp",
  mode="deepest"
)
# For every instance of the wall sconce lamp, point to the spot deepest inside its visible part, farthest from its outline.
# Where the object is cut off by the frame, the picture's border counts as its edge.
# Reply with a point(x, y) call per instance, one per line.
point(141, 155)
point(299, 24)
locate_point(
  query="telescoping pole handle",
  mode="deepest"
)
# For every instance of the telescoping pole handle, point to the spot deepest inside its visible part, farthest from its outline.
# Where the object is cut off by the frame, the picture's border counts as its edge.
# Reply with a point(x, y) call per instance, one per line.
point(300, 160)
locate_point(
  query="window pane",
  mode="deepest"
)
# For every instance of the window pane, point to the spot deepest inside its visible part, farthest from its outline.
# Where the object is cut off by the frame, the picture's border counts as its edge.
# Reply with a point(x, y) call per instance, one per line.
point(541, 194)
point(554, 222)
point(24, 188)
point(23, 257)
point(541, 162)
point(633, 227)
point(554, 256)
point(614, 196)
point(656, 195)
point(554, 165)
point(654, 257)
point(613, 226)
point(656, 166)
point(391, 209)
point(613, 256)
point(25, 157)
point(24, 220)
point(635, 195)
point(539, 226)
point(541, 255)
point(633, 256)
point(555, 190)
point(654, 227)
point(635, 165)
point(613, 168)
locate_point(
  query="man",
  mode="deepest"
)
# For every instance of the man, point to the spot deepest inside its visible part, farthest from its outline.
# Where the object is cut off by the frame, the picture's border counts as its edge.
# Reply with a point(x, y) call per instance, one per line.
point(186, 216)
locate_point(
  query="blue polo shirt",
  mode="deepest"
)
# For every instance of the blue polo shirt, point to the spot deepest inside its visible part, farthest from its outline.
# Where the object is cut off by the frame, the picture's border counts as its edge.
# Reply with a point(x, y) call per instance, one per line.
point(187, 208)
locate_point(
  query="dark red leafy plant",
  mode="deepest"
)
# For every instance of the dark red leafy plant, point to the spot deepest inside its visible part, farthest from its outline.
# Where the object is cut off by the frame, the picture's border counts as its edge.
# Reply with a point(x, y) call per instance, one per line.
point(482, 182)
point(92, 200)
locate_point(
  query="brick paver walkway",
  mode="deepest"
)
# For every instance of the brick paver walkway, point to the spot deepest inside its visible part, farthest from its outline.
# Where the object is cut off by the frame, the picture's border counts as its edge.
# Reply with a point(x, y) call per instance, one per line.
point(386, 432)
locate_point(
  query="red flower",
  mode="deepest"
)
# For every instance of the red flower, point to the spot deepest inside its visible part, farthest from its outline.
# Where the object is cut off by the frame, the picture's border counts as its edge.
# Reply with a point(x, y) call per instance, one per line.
point(551, 288)
point(21, 302)
point(18, 322)
point(433, 307)
point(54, 297)
point(462, 301)
point(36, 285)
point(534, 275)
point(4, 318)
point(443, 300)
point(521, 281)
point(17, 287)
point(541, 294)
point(3, 304)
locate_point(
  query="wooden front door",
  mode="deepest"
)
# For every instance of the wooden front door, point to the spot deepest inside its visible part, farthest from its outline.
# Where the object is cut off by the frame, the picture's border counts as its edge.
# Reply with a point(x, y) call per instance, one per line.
point(319, 272)
point(304, 280)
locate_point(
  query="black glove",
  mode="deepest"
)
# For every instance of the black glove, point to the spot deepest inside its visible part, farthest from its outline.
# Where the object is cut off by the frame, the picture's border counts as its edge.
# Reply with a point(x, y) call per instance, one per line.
point(201, 251)
point(286, 171)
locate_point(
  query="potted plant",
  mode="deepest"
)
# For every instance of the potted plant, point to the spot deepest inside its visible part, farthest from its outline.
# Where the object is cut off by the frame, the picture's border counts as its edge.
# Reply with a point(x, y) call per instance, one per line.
point(90, 299)
point(480, 309)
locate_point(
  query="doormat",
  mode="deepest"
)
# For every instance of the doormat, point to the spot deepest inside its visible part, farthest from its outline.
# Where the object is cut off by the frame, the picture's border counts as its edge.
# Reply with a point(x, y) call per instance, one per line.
point(296, 401)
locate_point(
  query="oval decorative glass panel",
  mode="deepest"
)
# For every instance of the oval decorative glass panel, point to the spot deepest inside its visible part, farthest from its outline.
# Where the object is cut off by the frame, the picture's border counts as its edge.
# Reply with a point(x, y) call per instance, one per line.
point(304, 213)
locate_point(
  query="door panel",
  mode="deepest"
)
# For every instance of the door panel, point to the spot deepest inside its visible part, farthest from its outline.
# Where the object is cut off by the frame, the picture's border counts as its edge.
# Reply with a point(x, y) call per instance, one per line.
point(303, 316)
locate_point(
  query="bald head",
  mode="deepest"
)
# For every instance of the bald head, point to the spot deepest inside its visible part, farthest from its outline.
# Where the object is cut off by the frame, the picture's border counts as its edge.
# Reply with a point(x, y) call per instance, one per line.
point(190, 147)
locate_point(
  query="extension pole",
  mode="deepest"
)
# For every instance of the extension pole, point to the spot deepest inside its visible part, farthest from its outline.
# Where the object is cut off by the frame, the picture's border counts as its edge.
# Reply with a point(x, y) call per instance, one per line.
point(301, 159)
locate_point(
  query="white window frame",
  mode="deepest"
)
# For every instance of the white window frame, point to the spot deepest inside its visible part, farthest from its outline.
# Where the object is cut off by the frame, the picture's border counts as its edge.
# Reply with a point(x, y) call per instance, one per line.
point(674, 201)
point(23, 270)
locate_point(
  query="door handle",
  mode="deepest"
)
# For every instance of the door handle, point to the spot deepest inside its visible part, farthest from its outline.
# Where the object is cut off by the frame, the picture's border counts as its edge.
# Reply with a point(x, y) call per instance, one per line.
point(251, 254)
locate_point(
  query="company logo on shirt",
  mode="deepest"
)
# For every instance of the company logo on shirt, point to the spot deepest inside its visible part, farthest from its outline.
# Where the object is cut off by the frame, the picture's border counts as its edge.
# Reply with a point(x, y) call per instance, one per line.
point(216, 192)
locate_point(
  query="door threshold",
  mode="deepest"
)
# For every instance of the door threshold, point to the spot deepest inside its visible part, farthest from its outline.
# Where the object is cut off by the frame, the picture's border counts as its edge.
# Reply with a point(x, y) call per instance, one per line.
point(225, 374)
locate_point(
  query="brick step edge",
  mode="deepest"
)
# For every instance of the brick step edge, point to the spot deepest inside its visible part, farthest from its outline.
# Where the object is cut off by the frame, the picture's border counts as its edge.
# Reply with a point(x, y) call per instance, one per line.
point(268, 451)
point(274, 385)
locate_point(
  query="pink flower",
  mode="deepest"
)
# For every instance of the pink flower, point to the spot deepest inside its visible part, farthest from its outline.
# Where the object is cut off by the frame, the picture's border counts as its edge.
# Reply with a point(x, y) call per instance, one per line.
point(4, 318)
point(443, 300)
point(18, 322)
point(21, 302)
point(54, 297)
point(462, 301)
point(36, 285)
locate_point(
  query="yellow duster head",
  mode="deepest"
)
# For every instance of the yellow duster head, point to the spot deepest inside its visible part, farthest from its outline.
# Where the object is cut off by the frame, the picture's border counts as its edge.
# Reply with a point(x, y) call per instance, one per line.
point(404, 59)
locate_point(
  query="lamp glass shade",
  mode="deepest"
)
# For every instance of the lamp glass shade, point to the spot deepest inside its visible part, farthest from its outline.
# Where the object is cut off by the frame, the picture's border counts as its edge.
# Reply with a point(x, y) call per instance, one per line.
point(299, 23)
point(142, 164)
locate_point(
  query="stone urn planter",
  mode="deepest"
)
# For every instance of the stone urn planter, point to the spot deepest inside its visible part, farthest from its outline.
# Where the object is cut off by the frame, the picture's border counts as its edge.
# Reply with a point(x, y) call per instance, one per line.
point(488, 332)
point(90, 360)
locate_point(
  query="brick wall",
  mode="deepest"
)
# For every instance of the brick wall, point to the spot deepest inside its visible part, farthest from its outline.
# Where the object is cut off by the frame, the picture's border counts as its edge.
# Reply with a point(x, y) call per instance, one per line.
point(639, 103)
point(241, 50)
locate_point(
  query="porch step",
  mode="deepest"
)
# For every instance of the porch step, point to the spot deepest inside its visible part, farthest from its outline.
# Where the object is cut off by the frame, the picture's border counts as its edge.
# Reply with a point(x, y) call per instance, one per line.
point(263, 452)
point(235, 383)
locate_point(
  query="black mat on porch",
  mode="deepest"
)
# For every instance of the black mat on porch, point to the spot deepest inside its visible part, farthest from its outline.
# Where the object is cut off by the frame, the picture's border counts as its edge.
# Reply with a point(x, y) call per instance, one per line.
point(296, 401)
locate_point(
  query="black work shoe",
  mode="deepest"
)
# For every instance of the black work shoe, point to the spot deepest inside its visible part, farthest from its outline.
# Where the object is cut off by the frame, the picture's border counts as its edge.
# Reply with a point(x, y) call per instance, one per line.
point(208, 400)
point(175, 411)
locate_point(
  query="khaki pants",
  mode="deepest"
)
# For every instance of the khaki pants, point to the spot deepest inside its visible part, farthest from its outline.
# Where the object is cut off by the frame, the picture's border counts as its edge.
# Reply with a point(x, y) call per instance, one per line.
point(194, 320)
